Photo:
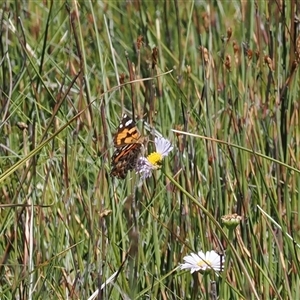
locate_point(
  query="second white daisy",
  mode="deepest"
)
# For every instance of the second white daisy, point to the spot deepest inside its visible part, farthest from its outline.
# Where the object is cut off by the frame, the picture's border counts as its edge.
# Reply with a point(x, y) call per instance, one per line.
point(203, 262)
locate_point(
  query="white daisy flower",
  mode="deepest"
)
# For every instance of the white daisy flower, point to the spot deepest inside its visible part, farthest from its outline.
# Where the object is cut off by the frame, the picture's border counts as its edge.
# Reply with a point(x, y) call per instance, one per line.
point(201, 261)
point(145, 165)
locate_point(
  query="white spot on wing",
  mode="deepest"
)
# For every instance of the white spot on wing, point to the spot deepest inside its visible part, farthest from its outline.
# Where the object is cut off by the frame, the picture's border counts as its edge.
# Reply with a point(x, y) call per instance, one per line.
point(128, 123)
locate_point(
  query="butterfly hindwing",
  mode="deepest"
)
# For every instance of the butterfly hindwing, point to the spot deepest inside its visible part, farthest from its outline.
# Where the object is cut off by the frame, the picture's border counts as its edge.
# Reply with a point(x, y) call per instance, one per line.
point(124, 160)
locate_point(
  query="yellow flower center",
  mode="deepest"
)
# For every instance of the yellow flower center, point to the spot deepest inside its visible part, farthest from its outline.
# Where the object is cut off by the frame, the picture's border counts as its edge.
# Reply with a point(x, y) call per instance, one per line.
point(203, 263)
point(155, 159)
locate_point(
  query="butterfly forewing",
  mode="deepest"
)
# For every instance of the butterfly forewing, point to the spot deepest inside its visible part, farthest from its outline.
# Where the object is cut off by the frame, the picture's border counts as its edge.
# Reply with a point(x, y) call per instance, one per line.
point(127, 133)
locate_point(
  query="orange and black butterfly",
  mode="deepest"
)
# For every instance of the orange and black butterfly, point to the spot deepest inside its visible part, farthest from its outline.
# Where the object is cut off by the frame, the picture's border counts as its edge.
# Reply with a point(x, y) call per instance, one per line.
point(128, 143)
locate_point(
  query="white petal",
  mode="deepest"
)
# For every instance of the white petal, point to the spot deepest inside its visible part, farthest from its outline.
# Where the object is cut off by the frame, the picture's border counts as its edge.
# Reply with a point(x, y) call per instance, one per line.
point(163, 146)
point(215, 259)
point(144, 167)
point(191, 259)
point(201, 255)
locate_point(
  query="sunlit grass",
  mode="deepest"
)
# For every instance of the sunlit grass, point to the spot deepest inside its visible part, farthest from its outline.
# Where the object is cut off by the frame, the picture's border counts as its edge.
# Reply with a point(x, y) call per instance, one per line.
point(219, 81)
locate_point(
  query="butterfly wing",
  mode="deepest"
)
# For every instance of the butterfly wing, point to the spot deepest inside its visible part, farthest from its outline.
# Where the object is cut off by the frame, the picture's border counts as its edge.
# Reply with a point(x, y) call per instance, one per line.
point(124, 159)
point(128, 143)
point(127, 133)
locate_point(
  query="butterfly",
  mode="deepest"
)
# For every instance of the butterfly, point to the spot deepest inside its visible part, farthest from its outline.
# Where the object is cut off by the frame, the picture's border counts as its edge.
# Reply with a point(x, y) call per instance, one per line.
point(128, 143)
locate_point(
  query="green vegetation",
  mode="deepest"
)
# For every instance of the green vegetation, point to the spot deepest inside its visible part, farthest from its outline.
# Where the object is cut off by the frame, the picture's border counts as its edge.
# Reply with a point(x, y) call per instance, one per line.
point(224, 74)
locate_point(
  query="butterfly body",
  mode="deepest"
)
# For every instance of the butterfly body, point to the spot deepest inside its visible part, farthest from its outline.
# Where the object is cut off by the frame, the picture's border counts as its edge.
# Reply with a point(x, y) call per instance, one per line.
point(128, 143)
